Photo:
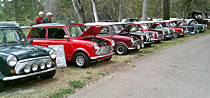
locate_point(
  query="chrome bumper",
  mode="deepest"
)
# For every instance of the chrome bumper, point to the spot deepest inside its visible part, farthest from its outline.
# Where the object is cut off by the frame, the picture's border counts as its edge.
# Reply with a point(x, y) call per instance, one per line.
point(101, 56)
point(149, 42)
point(27, 75)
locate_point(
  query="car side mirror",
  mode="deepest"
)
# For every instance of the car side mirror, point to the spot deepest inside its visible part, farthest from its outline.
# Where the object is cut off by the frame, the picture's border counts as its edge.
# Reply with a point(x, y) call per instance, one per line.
point(30, 41)
point(66, 37)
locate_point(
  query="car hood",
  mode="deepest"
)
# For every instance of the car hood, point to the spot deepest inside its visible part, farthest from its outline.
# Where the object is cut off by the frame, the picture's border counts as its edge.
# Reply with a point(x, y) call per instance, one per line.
point(177, 25)
point(127, 28)
point(24, 51)
point(92, 31)
point(153, 26)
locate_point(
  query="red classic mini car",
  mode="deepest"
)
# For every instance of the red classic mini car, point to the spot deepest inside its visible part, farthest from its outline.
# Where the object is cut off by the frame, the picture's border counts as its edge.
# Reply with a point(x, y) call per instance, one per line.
point(81, 46)
point(124, 41)
point(171, 24)
point(158, 36)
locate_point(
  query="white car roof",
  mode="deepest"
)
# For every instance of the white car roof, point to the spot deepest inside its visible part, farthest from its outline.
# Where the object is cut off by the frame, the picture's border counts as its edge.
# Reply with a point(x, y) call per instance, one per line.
point(105, 23)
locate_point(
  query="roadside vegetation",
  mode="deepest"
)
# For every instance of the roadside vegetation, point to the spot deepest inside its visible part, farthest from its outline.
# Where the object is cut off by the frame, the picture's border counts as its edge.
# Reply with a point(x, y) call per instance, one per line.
point(71, 79)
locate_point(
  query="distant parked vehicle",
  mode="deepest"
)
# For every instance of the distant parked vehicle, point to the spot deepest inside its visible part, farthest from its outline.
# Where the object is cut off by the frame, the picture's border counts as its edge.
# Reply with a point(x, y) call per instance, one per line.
point(81, 46)
point(158, 36)
point(171, 24)
point(124, 41)
point(19, 59)
point(133, 28)
point(130, 20)
point(200, 16)
point(198, 27)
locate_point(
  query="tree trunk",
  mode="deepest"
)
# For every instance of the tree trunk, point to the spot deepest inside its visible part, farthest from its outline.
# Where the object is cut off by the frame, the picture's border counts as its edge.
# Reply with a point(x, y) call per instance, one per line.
point(94, 11)
point(79, 10)
point(159, 4)
point(144, 11)
point(166, 9)
point(186, 6)
point(120, 10)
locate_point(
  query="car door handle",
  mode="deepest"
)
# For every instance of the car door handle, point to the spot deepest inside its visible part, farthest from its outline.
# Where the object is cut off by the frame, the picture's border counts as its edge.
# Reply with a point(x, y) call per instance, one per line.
point(48, 41)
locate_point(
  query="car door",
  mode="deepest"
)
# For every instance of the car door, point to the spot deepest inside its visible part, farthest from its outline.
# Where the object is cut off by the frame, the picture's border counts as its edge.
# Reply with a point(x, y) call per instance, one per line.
point(38, 35)
point(58, 36)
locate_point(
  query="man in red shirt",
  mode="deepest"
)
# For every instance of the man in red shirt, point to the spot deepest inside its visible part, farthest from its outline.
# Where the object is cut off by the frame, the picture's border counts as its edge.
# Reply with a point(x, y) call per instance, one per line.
point(39, 18)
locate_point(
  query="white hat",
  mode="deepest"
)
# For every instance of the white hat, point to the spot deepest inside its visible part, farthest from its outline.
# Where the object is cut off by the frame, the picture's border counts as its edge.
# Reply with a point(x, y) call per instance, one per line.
point(49, 14)
point(41, 13)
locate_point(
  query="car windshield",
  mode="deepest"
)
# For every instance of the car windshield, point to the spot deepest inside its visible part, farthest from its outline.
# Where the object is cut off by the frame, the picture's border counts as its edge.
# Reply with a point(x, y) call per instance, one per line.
point(9, 36)
point(144, 26)
point(76, 31)
point(172, 24)
point(115, 29)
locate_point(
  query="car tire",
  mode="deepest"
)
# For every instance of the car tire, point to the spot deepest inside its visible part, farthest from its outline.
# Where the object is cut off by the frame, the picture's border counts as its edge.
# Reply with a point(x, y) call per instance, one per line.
point(121, 49)
point(48, 75)
point(108, 59)
point(1, 85)
point(175, 35)
point(81, 60)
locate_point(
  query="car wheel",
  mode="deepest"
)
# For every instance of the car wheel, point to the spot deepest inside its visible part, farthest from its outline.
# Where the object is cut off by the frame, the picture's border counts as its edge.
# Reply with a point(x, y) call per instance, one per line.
point(121, 49)
point(81, 60)
point(108, 59)
point(175, 35)
point(1, 85)
point(48, 75)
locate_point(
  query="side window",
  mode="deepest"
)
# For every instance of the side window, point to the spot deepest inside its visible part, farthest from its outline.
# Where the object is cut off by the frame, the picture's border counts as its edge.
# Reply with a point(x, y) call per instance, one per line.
point(104, 31)
point(56, 33)
point(39, 33)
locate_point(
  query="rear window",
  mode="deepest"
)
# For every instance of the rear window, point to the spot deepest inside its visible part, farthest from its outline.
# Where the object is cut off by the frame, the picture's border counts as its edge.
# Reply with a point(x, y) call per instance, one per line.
point(56, 33)
point(39, 33)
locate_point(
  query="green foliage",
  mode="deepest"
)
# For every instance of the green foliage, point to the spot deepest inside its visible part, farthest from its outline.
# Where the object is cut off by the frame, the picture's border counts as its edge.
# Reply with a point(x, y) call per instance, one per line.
point(20, 10)
point(61, 93)
point(76, 84)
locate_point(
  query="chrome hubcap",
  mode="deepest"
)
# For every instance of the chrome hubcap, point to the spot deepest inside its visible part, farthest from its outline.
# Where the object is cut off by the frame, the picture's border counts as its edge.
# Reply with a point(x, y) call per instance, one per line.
point(120, 50)
point(80, 60)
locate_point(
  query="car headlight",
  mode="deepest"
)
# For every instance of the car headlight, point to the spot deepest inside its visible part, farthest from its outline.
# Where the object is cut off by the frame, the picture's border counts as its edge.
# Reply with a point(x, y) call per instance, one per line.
point(27, 69)
point(206, 26)
point(34, 67)
point(11, 60)
point(53, 54)
point(142, 38)
point(49, 64)
point(132, 40)
point(96, 47)
point(113, 43)
point(42, 65)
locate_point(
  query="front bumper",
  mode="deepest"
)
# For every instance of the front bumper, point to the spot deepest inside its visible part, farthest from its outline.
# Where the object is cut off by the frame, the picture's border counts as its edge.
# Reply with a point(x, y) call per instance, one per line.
point(101, 56)
point(151, 42)
point(27, 75)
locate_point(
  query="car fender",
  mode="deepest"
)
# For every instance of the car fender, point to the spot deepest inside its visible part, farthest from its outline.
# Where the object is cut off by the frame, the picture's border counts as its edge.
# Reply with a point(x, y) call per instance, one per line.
point(121, 43)
point(81, 49)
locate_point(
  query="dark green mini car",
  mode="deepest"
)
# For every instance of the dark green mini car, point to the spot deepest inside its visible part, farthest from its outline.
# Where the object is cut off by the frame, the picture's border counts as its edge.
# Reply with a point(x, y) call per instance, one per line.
point(19, 59)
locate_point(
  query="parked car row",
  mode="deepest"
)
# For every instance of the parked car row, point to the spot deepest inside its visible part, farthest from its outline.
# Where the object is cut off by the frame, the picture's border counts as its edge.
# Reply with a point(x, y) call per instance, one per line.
point(22, 56)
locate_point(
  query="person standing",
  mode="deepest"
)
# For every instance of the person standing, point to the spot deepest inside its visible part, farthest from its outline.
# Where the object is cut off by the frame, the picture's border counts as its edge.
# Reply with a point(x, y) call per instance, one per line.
point(47, 19)
point(39, 18)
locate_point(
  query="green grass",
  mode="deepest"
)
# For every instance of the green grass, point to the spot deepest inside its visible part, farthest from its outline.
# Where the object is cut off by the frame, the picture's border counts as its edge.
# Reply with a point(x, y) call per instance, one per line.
point(127, 61)
point(62, 93)
point(101, 74)
point(76, 84)
point(89, 78)
point(89, 72)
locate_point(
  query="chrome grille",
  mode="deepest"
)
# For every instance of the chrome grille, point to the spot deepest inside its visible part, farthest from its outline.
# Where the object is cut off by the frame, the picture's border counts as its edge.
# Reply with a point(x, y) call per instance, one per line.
point(160, 36)
point(20, 65)
point(104, 50)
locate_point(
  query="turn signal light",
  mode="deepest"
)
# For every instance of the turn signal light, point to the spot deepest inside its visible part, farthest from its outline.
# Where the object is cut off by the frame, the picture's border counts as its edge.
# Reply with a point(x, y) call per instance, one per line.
point(12, 71)
point(53, 63)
